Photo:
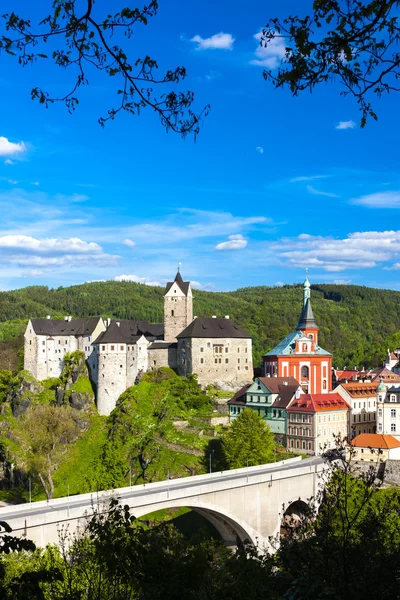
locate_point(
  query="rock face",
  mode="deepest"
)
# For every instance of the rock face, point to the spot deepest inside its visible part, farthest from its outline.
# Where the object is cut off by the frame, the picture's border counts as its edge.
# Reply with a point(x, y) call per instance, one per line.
point(81, 400)
point(21, 396)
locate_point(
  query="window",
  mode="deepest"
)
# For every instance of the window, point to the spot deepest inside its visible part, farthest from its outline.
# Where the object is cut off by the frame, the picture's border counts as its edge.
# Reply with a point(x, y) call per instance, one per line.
point(226, 350)
point(304, 372)
point(121, 367)
point(304, 445)
point(279, 413)
point(238, 360)
point(172, 313)
point(393, 427)
point(66, 342)
point(201, 349)
point(216, 360)
point(227, 360)
point(238, 349)
point(202, 360)
point(154, 363)
point(393, 412)
point(218, 349)
point(393, 398)
point(324, 372)
point(112, 347)
point(304, 347)
point(103, 348)
point(380, 427)
point(297, 444)
point(292, 443)
point(121, 347)
point(59, 342)
point(43, 343)
point(208, 345)
point(324, 385)
point(274, 413)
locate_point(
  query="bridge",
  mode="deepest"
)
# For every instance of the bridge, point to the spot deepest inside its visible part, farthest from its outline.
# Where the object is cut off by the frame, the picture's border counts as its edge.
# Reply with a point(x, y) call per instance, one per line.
point(242, 504)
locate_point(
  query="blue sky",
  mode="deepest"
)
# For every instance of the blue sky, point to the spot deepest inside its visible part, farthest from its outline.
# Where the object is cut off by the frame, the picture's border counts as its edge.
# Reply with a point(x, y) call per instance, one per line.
point(272, 185)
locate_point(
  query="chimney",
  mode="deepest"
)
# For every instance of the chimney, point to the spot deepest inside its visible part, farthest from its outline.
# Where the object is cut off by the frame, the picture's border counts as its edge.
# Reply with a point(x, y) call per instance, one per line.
point(117, 323)
point(297, 393)
point(68, 318)
point(285, 383)
point(214, 316)
point(226, 316)
point(48, 317)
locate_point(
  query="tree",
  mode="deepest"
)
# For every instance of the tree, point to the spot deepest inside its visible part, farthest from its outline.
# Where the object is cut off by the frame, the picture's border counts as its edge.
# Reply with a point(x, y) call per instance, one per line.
point(249, 441)
point(79, 39)
point(353, 41)
point(43, 435)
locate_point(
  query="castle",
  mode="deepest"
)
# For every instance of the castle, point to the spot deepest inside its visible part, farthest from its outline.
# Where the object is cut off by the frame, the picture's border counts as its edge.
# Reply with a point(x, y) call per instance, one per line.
point(117, 352)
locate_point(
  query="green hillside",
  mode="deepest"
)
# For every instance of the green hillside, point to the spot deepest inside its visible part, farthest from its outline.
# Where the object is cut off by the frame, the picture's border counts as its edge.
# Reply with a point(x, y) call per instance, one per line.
point(357, 323)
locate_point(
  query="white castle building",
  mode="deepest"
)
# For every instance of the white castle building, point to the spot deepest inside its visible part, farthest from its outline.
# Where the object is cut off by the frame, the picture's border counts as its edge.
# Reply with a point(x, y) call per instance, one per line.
point(117, 352)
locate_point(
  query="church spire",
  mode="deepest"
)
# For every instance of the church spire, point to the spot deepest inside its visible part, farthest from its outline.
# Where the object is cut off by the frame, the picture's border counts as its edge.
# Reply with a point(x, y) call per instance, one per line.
point(307, 320)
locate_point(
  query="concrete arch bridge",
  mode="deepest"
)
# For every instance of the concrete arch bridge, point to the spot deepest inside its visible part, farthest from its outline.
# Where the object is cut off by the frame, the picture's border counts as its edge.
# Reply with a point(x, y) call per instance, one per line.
point(242, 504)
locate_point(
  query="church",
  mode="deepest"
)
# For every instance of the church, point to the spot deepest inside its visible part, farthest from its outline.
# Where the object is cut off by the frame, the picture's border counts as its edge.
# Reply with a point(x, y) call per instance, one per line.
point(119, 351)
point(300, 356)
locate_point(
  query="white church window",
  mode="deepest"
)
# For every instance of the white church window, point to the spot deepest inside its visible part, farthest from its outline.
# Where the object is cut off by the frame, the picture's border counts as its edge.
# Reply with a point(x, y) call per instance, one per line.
point(393, 412)
point(393, 427)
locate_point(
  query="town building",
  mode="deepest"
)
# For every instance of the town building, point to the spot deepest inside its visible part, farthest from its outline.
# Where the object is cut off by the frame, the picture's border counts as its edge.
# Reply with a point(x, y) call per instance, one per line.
point(316, 421)
point(361, 396)
point(299, 354)
point(269, 396)
point(119, 351)
point(373, 447)
point(388, 410)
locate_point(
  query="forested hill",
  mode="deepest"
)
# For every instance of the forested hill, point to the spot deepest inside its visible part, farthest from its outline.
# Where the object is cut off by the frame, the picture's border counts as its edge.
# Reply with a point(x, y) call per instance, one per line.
point(357, 323)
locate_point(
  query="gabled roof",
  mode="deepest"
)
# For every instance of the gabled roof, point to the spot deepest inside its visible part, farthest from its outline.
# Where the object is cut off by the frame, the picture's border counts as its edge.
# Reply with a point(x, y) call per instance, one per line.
point(318, 403)
point(62, 327)
point(273, 384)
point(307, 320)
point(208, 327)
point(347, 374)
point(384, 374)
point(287, 346)
point(239, 398)
point(160, 344)
point(183, 285)
point(286, 395)
point(128, 332)
point(375, 440)
point(360, 389)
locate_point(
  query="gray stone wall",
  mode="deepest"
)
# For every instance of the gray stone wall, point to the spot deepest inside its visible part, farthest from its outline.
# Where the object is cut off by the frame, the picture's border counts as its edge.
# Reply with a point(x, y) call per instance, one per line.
point(162, 357)
point(223, 360)
point(178, 312)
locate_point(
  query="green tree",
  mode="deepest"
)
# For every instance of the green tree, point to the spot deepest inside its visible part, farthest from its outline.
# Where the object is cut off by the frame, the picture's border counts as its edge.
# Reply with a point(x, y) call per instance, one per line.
point(353, 41)
point(80, 39)
point(43, 436)
point(248, 442)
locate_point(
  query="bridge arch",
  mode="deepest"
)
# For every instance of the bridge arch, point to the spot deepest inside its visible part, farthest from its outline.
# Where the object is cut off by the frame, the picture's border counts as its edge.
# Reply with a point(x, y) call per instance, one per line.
point(233, 530)
point(293, 517)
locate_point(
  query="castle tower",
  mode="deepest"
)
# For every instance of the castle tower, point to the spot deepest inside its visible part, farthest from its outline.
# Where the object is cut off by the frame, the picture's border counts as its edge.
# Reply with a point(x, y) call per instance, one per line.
point(178, 307)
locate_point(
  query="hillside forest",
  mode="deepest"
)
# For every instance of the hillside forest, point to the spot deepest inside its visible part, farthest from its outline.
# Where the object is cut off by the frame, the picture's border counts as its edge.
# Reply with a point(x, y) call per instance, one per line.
point(357, 324)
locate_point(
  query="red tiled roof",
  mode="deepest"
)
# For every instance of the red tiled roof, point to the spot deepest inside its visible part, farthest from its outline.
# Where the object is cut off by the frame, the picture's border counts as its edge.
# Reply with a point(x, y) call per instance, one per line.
point(361, 388)
point(348, 374)
point(375, 440)
point(318, 402)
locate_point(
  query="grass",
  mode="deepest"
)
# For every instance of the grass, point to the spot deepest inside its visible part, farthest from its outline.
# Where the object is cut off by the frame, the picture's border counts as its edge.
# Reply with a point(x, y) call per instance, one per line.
point(82, 385)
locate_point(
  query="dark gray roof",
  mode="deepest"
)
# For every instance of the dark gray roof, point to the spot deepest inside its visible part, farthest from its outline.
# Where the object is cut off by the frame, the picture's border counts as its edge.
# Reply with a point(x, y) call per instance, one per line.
point(208, 327)
point(239, 397)
point(286, 394)
point(128, 332)
point(307, 320)
point(160, 344)
point(61, 327)
point(183, 285)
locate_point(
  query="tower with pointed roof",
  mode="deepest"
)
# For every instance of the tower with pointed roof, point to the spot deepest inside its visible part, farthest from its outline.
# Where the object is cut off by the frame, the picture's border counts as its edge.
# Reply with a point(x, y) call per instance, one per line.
point(299, 354)
point(178, 307)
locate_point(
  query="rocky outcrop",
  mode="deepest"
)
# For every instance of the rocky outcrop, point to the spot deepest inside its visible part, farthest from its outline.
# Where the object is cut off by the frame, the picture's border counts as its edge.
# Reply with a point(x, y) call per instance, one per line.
point(75, 375)
point(23, 393)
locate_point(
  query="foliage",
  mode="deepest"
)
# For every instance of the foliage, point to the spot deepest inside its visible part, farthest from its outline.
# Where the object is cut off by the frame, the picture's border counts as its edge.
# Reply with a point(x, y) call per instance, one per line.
point(6, 379)
point(79, 38)
point(43, 435)
point(353, 41)
point(248, 442)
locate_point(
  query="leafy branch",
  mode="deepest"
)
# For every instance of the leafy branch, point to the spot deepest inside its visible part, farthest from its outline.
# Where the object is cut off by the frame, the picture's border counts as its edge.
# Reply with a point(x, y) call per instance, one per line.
point(86, 42)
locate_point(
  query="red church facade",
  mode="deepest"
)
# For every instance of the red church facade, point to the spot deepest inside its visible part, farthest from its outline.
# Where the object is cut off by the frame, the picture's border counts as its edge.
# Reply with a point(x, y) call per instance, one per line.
point(300, 356)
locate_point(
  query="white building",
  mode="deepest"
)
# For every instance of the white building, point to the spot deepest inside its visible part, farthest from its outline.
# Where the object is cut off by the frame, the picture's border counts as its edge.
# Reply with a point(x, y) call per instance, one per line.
point(388, 410)
point(117, 352)
point(361, 396)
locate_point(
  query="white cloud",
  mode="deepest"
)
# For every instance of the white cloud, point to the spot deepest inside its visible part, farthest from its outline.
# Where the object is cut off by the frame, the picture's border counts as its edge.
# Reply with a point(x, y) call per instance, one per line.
point(35, 273)
point(8, 148)
point(346, 125)
point(8, 161)
point(358, 250)
point(271, 55)
point(307, 178)
point(137, 279)
point(260, 149)
point(35, 183)
point(379, 200)
point(13, 181)
point(75, 197)
point(315, 192)
point(236, 242)
point(49, 245)
point(129, 243)
point(219, 41)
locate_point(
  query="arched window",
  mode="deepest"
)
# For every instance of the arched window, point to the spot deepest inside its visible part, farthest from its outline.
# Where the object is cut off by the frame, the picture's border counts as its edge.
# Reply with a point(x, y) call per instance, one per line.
point(324, 385)
point(304, 347)
point(292, 443)
point(304, 372)
point(297, 443)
